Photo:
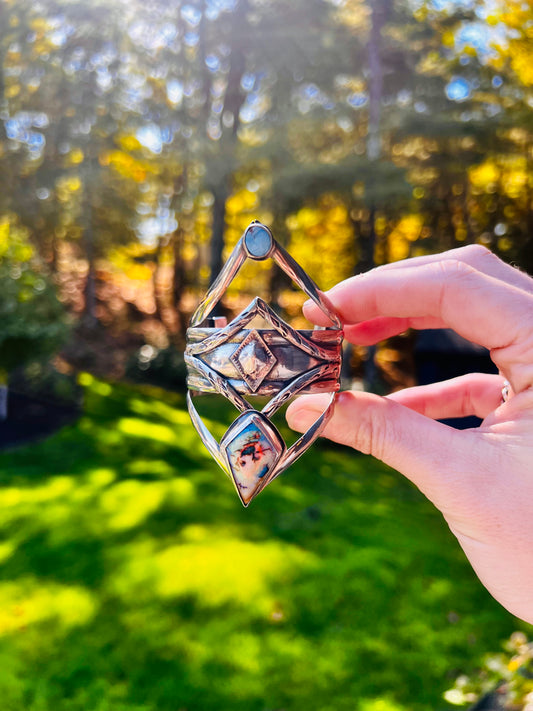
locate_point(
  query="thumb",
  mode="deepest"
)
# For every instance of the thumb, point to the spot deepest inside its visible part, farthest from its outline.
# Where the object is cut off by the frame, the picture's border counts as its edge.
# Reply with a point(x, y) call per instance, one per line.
point(434, 456)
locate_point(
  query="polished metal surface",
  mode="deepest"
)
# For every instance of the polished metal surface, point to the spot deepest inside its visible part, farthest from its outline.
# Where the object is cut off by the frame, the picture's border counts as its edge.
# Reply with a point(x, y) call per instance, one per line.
point(278, 362)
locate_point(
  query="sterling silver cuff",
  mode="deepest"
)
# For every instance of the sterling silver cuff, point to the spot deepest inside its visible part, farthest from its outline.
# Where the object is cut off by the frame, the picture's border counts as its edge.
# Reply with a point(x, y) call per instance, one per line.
point(278, 362)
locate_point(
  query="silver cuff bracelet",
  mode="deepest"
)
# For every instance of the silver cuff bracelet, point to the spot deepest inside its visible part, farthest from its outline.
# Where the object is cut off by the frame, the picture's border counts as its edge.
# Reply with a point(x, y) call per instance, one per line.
point(278, 362)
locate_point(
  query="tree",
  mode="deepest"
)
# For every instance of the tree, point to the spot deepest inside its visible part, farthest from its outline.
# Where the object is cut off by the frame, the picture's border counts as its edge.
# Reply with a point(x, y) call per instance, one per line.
point(33, 319)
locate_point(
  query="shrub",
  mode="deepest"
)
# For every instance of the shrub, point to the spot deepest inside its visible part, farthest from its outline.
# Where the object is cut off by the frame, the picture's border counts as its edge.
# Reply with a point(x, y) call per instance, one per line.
point(504, 682)
point(32, 317)
point(165, 368)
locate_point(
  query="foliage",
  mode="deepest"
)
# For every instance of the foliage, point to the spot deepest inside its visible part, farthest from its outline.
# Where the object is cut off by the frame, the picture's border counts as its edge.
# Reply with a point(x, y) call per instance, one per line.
point(132, 578)
point(42, 381)
point(509, 674)
point(32, 317)
point(164, 367)
point(168, 127)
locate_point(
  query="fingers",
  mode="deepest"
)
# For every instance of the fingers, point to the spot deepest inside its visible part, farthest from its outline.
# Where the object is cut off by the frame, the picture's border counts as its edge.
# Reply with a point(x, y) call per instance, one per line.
point(437, 458)
point(478, 257)
point(450, 293)
point(367, 333)
point(476, 394)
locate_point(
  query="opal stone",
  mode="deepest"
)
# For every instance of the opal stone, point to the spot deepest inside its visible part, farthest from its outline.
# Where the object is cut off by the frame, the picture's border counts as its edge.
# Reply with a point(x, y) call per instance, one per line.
point(258, 241)
point(253, 447)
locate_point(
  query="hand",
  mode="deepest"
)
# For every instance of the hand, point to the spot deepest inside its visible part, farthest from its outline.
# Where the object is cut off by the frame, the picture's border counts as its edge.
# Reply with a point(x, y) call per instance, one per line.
point(481, 479)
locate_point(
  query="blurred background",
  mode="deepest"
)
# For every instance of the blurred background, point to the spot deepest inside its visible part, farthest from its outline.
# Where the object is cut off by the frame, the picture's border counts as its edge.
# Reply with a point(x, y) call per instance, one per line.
point(137, 142)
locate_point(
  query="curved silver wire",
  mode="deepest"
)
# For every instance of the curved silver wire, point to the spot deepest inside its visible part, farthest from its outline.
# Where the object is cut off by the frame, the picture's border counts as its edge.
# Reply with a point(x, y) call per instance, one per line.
point(304, 442)
point(284, 260)
point(291, 267)
point(221, 283)
point(205, 435)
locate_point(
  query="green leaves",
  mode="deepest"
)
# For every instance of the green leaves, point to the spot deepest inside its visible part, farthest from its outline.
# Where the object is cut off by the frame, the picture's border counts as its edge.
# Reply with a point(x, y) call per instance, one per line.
point(32, 319)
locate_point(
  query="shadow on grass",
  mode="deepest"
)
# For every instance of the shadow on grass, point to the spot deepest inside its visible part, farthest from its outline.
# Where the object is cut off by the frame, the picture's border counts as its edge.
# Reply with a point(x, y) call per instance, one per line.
point(132, 579)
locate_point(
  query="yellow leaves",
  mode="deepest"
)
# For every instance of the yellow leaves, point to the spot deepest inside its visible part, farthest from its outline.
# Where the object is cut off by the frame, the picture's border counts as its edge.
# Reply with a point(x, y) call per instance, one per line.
point(127, 166)
point(515, 182)
point(516, 47)
point(76, 156)
point(509, 175)
point(484, 176)
point(355, 15)
point(129, 142)
point(14, 240)
point(322, 241)
point(241, 201)
point(406, 231)
point(505, 244)
point(12, 91)
point(421, 13)
point(448, 38)
point(306, 218)
point(139, 272)
point(40, 25)
point(134, 261)
point(431, 64)
point(72, 184)
point(522, 61)
point(4, 235)
point(515, 663)
point(67, 186)
point(410, 227)
point(380, 225)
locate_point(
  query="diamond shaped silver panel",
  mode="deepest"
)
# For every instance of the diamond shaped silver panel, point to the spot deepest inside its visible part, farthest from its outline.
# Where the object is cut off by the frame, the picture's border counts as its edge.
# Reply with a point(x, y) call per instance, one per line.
point(253, 359)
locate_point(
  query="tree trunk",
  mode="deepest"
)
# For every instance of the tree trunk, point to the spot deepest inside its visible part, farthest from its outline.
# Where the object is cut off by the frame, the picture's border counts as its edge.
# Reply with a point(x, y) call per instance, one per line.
point(233, 102)
point(221, 194)
point(158, 303)
point(89, 313)
point(178, 282)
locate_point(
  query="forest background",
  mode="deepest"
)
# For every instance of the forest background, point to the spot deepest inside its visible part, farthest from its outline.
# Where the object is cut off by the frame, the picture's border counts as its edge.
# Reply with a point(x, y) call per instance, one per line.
point(138, 140)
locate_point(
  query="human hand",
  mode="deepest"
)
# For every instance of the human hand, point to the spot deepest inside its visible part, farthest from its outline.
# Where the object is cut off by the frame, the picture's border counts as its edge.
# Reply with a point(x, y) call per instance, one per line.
point(481, 479)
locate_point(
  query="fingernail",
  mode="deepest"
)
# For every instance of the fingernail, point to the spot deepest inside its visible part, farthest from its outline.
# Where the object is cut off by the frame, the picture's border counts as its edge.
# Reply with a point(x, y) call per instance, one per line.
point(296, 422)
point(301, 418)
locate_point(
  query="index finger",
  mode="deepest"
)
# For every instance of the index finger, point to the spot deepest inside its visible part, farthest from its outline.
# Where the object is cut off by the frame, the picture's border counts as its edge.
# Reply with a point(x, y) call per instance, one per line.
point(449, 293)
point(478, 257)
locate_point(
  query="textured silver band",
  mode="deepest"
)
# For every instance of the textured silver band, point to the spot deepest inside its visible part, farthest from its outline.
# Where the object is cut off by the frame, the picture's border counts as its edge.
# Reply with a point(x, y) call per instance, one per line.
point(278, 362)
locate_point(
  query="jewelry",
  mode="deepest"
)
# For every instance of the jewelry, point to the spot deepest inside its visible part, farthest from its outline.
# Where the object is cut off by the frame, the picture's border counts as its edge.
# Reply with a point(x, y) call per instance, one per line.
point(506, 391)
point(278, 362)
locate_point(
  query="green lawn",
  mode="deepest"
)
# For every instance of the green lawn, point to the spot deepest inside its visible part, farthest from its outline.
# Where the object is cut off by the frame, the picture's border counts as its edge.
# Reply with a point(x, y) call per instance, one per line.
point(132, 579)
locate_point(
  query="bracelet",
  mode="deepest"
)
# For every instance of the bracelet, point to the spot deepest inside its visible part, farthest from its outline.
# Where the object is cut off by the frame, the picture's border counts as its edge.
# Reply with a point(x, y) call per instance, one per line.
point(279, 362)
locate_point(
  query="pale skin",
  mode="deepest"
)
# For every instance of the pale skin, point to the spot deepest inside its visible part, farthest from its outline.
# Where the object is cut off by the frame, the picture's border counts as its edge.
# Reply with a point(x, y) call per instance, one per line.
point(481, 479)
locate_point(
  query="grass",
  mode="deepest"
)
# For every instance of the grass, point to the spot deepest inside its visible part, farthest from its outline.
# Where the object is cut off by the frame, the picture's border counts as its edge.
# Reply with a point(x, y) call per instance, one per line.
point(131, 578)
